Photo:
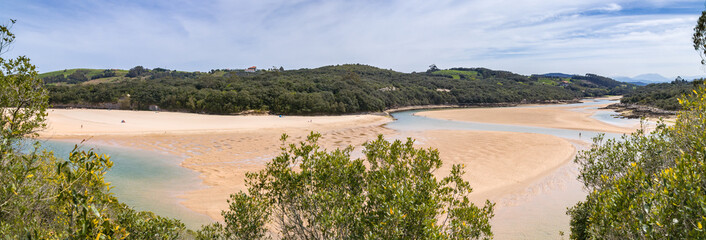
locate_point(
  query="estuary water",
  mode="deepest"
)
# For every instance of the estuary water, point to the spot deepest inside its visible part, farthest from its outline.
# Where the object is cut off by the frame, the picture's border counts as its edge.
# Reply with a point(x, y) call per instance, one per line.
point(538, 211)
point(153, 181)
point(144, 180)
point(407, 121)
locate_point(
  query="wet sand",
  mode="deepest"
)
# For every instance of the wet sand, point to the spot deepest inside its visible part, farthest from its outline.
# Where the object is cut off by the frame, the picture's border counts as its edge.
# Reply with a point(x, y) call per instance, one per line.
point(223, 148)
point(499, 163)
point(551, 116)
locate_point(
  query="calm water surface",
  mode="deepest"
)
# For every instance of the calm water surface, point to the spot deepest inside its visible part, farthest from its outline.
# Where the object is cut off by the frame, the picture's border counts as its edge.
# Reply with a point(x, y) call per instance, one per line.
point(153, 181)
point(407, 121)
point(145, 180)
point(538, 212)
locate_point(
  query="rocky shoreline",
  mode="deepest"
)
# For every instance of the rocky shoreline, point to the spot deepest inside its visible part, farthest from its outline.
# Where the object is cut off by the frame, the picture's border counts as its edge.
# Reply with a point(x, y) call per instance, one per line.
point(639, 111)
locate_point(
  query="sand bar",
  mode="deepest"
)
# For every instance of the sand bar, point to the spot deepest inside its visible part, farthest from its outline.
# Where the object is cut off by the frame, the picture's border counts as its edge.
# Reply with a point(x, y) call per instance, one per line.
point(221, 148)
point(91, 122)
point(550, 116)
point(498, 163)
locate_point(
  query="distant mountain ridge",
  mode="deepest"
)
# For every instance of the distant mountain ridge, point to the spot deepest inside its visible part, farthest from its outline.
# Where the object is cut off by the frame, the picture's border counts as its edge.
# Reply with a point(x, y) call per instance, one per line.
point(690, 78)
point(638, 83)
point(560, 75)
point(640, 80)
point(644, 79)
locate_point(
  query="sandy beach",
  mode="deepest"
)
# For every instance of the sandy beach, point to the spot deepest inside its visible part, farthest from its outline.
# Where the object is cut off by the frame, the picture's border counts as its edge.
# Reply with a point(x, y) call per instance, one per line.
point(93, 122)
point(499, 163)
point(551, 116)
point(223, 148)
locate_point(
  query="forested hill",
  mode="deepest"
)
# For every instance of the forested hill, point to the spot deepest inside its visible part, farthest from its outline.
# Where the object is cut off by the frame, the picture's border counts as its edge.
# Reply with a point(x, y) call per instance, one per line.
point(325, 90)
point(661, 95)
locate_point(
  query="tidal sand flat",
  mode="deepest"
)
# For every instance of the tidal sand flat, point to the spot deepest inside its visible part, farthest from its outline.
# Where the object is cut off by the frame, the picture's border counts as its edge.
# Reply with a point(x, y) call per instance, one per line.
point(498, 163)
point(530, 177)
point(576, 117)
point(220, 148)
point(94, 122)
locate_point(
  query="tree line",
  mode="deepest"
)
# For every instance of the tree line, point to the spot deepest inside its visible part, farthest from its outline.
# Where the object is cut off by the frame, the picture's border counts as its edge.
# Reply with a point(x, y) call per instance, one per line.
point(337, 89)
point(661, 95)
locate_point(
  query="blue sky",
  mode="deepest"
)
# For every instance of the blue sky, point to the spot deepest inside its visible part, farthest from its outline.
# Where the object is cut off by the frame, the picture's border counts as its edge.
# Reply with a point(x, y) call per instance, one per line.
point(611, 38)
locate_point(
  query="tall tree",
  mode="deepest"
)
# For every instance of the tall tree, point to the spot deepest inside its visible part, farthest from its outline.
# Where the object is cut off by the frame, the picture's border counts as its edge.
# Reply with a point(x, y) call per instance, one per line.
point(699, 37)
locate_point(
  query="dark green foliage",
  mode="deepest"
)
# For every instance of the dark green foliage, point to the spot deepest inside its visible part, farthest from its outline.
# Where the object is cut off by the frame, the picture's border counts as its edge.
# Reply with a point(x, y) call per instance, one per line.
point(137, 71)
point(699, 37)
point(106, 74)
point(146, 225)
point(660, 95)
point(647, 186)
point(78, 76)
point(56, 79)
point(325, 90)
point(597, 80)
point(307, 193)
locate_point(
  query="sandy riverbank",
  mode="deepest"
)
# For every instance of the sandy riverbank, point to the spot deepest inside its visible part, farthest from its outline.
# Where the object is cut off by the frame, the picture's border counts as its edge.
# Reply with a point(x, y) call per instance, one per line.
point(223, 148)
point(92, 122)
point(499, 163)
point(549, 116)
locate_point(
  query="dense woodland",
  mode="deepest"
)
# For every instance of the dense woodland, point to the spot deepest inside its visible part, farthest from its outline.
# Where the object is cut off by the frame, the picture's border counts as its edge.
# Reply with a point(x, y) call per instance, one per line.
point(661, 95)
point(326, 90)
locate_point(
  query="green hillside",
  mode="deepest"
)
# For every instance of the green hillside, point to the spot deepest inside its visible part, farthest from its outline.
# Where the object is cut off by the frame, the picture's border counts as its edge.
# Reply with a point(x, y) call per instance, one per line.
point(661, 95)
point(80, 75)
point(337, 89)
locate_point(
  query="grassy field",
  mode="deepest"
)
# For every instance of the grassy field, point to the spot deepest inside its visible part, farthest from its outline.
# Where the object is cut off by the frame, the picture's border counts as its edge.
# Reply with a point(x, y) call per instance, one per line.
point(90, 72)
point(456, 74)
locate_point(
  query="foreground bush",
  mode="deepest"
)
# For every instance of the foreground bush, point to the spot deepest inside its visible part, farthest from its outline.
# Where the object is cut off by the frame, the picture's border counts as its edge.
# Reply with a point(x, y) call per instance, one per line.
point(309, 193)
point(647, 186)
point(42, 197)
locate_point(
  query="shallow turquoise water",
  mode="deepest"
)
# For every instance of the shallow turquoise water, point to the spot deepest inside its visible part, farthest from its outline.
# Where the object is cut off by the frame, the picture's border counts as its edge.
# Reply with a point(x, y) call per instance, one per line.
point(145, 180)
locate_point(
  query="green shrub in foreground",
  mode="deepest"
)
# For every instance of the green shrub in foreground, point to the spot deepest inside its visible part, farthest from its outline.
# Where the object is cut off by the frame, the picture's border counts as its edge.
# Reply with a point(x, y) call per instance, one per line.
point(42, 197)
point(647, 186)
point(309, 193)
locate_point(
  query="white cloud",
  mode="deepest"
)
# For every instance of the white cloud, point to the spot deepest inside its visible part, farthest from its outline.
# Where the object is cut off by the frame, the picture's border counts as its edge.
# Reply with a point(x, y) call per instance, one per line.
point(612, 7)
point(520, 36)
